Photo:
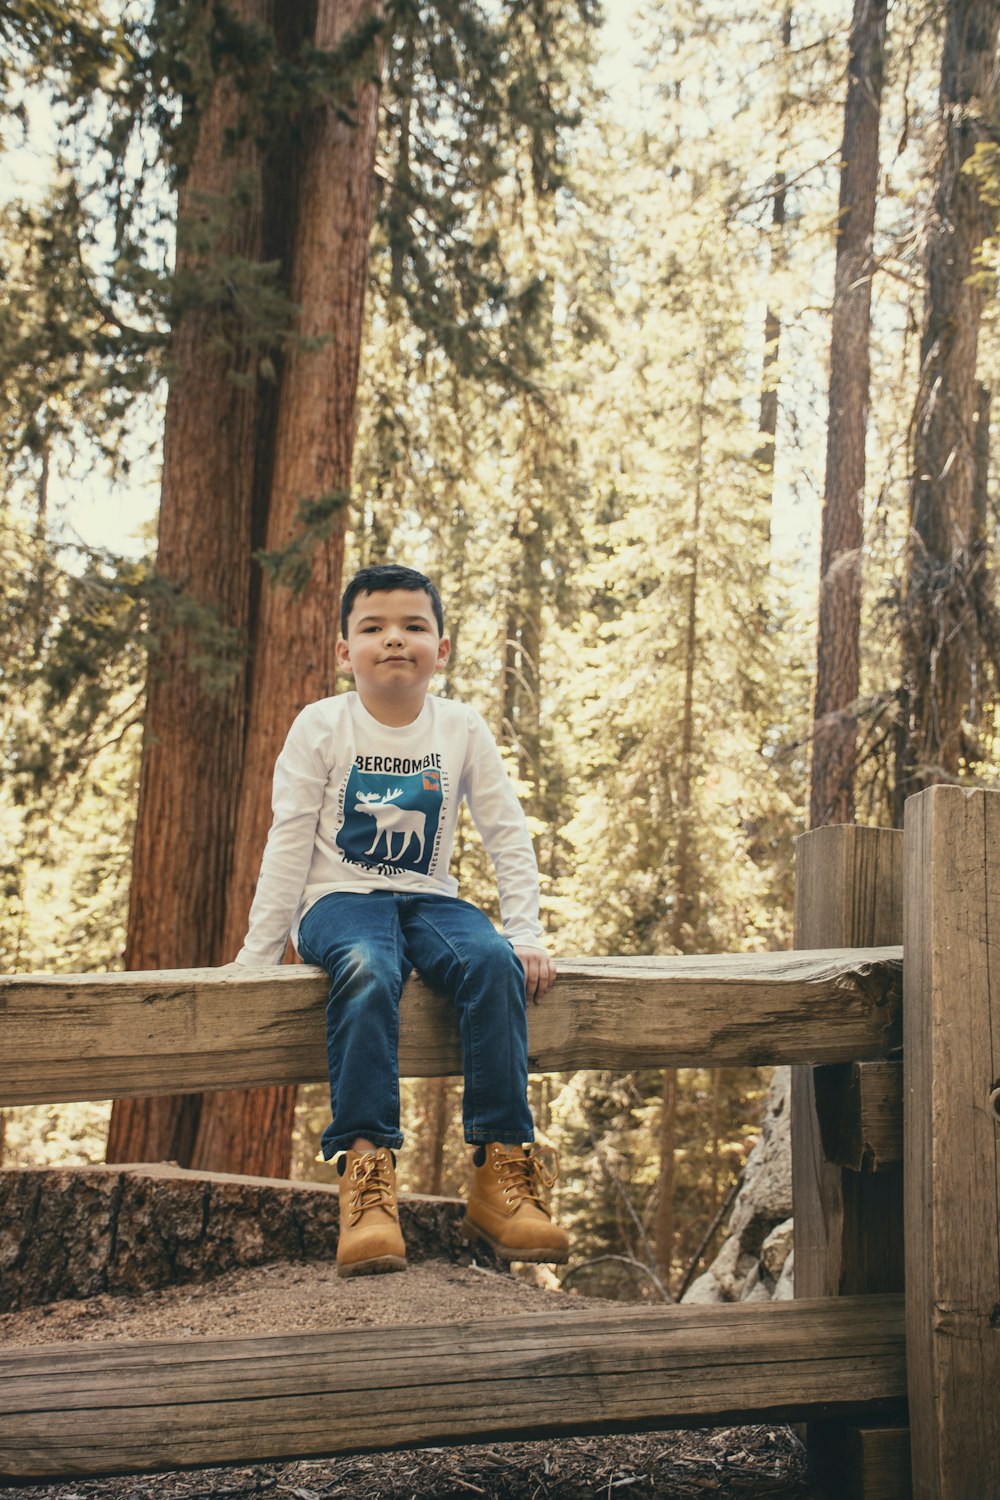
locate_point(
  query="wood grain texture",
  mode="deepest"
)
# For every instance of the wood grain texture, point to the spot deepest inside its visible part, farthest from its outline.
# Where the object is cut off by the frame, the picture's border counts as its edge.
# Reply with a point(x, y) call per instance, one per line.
point(101, 1036)
point(860, 1111)
point(128, 1407)
point(863, 1463)
point(848, 1226)
point(848, 887)
point(951, 1155)
point(848, 1223)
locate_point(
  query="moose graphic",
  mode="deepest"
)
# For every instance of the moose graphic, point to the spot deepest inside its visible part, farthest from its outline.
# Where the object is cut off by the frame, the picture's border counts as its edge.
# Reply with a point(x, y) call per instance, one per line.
point(407, 821)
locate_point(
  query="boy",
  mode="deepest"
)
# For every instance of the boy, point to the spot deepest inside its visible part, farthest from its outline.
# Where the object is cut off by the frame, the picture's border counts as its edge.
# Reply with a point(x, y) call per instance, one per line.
point(366, 796)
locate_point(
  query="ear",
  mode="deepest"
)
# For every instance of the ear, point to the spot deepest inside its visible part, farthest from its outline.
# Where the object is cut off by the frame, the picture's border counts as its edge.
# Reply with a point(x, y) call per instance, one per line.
point(343, 654)
point(444, 651)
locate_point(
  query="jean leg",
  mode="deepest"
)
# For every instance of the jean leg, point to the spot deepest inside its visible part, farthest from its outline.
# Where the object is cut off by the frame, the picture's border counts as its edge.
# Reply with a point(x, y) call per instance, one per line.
point(457, 950)
point(356, 938)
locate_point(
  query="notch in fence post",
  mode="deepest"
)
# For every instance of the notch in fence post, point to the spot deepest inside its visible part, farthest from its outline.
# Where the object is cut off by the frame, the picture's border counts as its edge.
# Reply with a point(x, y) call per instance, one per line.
point(848, 1223)
point(951, 1038)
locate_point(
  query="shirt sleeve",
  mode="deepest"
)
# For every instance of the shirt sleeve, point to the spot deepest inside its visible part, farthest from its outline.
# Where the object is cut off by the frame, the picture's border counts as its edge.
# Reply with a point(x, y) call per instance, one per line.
point(499, 817)
point(300, 777)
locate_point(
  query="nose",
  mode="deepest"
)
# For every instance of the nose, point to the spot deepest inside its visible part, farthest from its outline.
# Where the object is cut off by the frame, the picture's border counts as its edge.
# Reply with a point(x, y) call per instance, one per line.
point(393, 636)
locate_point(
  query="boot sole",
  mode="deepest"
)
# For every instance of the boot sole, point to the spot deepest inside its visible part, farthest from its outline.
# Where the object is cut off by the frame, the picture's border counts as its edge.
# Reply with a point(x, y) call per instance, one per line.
point(373, 1267)
point(535, 1255)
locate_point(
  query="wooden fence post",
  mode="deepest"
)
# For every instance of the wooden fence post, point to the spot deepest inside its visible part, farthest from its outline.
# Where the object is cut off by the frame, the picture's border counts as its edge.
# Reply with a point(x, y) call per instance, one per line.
point(952, 1140)
point(848, 1219)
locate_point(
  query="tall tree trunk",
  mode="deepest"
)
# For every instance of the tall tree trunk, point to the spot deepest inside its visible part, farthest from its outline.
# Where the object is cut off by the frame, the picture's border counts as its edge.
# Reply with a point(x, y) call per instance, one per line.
point(838, 649)
point(685, 899)
point(664, 1227)
point(772, 315)
point(437, 1133)
point(521, 720)
point(521, 682)
point(943, 561)
point(293, 640)
point(716, 1128)
point(980, 488)
point(193, 737)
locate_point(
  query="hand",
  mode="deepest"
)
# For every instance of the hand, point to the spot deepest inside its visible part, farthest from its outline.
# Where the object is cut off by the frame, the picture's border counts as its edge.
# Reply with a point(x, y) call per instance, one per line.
point(539, 972)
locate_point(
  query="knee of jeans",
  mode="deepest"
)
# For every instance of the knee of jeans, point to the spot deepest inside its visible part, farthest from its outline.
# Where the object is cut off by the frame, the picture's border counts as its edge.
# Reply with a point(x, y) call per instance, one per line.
point(368, 972)
point(496, 964)
point(360, 967)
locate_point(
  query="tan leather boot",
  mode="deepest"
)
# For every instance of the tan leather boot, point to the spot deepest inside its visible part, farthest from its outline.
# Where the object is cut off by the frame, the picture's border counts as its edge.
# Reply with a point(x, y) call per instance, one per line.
point(508, 1204)
point(370, 1237)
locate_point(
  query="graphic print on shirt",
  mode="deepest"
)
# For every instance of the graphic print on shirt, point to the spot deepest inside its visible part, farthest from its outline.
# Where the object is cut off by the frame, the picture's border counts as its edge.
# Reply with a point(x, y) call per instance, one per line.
point(390, 822)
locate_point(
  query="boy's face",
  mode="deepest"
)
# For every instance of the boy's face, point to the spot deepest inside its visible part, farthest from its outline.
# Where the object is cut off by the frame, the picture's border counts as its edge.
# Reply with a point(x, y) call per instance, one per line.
point(392, 648)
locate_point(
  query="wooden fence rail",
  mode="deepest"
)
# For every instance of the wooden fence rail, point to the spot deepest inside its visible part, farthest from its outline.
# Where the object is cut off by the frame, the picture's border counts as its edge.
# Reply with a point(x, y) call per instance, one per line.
point(100, 1408)
point(103, 1036)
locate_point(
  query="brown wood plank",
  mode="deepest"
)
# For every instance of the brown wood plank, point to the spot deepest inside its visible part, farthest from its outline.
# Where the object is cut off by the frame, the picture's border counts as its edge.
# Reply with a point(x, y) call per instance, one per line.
point(952, 1161)
point(863, 1463)
point(848, 1225)
point(860, 1111)
point(131, 1407)
point(102, 1036)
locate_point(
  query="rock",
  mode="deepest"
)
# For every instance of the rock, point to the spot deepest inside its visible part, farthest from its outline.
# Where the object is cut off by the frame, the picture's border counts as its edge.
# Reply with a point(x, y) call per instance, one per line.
point(757, 1288)
point(751, 1261)
point(785, 1289)
point(750, 1284)
point(765, 1198)
point(80, 1231)
point(704, 1288)
point(777, 1247)
point(731, 1268)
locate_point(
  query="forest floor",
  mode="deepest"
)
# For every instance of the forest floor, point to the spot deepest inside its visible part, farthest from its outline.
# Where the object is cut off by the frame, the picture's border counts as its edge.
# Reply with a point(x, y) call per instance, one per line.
point(747, 1462)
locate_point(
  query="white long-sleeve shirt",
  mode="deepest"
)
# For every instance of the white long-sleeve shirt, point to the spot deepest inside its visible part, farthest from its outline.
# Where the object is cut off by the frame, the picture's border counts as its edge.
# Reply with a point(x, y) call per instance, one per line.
point(362, 806)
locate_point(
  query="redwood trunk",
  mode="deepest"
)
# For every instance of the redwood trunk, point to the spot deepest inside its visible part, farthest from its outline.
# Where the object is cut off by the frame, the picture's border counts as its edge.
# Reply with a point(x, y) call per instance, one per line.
point(193, 738)
point(293, 641)
point(940, 637)
point(838, 651)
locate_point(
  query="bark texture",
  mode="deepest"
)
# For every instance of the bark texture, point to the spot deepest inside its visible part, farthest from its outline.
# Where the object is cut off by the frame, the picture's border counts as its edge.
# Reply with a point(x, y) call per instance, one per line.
point(522, 647)
point(838, 652)
point(252, 469)
point(192, 746)
point(77, 1232)
point(292, 651)
point(940, 635)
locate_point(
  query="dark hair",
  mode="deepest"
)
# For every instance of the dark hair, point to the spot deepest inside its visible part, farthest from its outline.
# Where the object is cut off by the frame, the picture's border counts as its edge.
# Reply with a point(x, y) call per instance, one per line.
point(380, 579)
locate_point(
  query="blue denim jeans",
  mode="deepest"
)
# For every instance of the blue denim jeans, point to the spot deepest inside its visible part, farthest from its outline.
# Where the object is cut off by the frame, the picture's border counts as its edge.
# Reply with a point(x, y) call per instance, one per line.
point(368, 943)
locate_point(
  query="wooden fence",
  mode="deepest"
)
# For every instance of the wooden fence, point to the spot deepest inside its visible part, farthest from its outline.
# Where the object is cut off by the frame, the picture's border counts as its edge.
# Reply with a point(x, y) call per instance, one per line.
point(844, 1356)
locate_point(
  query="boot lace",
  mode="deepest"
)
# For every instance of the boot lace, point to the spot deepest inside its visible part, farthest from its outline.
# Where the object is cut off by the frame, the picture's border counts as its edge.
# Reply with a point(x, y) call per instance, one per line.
point(372, 1186)
point(525, 1174)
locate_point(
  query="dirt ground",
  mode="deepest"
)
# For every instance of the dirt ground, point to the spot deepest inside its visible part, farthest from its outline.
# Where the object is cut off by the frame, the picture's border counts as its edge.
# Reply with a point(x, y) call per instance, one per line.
point(721, 1464)
point(743, 1461)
